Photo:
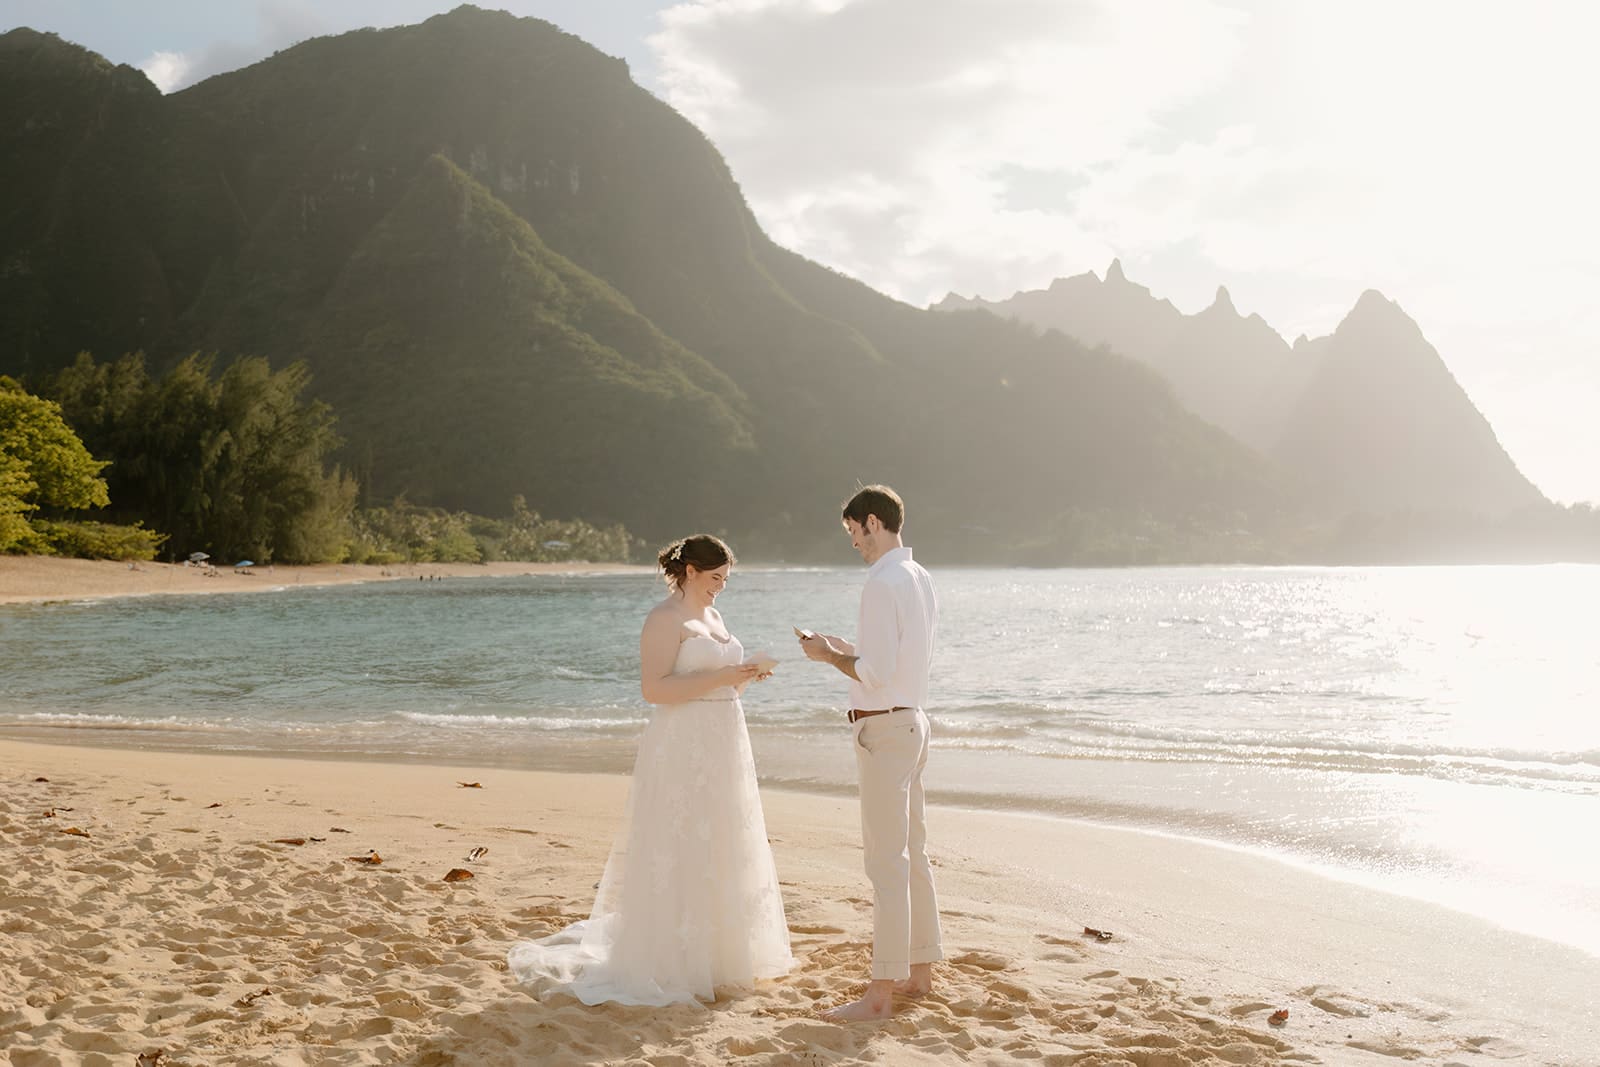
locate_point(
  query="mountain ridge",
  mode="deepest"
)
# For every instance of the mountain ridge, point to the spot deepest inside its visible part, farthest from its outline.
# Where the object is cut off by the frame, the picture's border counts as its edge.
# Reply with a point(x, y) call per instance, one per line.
point(512, 270)
point(1301, 405)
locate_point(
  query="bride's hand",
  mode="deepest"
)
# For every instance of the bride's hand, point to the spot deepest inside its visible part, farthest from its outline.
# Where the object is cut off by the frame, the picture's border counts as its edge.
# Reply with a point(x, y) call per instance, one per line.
point(738, 674)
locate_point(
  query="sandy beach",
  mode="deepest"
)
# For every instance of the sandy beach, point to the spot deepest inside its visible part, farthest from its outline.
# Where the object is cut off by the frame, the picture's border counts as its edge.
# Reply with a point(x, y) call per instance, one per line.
point(25, 579)
point(210, 909)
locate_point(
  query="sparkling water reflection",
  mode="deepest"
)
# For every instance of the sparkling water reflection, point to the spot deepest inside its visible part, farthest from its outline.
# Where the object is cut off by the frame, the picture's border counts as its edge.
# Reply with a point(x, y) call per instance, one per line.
point(1428, 729)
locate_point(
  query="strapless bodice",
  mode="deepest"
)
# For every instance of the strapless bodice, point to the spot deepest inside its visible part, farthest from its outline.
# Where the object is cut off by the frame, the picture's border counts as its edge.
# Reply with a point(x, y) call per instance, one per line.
point(698, 652)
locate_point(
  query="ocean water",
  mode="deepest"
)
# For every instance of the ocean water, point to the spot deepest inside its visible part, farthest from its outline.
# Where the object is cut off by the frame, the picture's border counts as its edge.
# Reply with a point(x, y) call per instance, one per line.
point(1430, 731)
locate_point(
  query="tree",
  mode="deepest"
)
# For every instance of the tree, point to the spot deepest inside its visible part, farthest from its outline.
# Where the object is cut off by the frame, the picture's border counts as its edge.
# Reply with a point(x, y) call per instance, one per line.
point(43, 464)
point(232, 464)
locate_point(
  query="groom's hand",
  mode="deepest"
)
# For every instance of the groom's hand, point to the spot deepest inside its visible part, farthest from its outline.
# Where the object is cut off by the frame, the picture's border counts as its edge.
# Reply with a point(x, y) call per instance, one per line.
point(817, 647)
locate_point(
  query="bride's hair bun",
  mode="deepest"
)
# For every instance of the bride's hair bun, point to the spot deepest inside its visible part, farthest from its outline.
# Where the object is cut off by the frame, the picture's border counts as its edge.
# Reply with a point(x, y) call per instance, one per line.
point(702, 551)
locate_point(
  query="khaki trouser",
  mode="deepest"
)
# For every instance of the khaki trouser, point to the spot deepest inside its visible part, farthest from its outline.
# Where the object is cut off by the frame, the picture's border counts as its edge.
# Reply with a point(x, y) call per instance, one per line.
point(891, 751)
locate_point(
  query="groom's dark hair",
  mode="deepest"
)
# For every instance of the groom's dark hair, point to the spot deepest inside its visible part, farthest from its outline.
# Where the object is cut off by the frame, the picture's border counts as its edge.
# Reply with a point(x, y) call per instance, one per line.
point(877, 500)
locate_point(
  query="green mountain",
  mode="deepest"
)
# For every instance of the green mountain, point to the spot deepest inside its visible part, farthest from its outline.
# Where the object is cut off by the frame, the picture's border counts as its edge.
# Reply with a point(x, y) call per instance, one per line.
point(511, 270)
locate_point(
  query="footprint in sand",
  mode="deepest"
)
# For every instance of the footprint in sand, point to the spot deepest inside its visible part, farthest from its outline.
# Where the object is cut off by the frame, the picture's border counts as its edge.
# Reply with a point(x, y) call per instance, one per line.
point(1398, 1051)
point(743, 1046)
point(1495, 1047)
point(1342, 1009)
point(1006, 989)
point(983, 961)
point(828, 1036)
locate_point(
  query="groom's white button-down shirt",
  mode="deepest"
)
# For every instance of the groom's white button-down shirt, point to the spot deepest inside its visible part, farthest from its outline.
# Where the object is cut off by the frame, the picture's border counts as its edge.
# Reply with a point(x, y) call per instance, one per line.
point(895, 634)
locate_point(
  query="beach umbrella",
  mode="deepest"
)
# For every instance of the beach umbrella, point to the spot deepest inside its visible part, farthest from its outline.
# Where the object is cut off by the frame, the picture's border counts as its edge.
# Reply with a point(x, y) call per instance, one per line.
point(196, 557)
point(245, 563)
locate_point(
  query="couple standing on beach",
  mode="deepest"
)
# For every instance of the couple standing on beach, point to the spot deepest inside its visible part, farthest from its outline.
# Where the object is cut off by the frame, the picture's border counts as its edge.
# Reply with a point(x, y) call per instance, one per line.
point(689, 900)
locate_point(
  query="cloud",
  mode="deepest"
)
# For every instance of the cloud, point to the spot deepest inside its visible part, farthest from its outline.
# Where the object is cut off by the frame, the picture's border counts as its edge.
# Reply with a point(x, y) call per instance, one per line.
point(167, 70)
point(898, 131)
point(1298, 153)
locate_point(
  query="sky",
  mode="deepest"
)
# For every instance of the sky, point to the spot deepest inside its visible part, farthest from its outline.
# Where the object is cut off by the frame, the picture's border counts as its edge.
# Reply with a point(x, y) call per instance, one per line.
point(1298, 152)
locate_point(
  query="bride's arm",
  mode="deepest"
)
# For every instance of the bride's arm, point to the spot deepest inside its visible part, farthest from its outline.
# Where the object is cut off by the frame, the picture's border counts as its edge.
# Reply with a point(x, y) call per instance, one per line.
point(658, 653)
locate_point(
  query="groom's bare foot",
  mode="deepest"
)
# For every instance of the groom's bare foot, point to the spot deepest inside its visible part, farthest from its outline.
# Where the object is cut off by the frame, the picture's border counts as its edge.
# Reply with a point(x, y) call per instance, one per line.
point(875, 1005)
point(920, 984)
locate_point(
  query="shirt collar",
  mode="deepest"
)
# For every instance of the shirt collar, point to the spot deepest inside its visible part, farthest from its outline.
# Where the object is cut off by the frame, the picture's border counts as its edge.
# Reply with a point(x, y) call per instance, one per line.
point(894, 555)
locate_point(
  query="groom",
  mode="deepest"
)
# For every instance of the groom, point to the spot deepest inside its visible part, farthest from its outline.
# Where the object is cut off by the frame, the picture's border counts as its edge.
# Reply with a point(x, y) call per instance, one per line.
point(888, 672)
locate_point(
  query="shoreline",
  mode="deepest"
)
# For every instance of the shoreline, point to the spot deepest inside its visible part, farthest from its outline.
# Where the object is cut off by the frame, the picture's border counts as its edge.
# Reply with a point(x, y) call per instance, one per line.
point(51, 579)
point(1560, 930)
point(162, 928)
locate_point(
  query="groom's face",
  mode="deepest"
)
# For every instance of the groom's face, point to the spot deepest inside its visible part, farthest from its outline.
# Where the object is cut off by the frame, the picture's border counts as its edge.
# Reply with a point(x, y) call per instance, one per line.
point(864, 539)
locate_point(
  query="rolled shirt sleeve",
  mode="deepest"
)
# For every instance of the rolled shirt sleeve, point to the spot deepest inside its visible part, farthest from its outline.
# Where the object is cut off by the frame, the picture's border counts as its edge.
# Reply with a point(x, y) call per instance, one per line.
point(877, 635)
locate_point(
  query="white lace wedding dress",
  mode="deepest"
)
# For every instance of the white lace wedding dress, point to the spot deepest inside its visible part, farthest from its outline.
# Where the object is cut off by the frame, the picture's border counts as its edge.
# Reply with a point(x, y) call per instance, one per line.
point(689, 901)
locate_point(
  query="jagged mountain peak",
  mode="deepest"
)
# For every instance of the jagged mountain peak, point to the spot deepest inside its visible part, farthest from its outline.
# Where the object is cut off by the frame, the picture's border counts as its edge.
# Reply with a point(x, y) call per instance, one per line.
point(1222, 303)
point(1074, 281)
point(1380, 319)
point(1374, 305)
point(1114, 272)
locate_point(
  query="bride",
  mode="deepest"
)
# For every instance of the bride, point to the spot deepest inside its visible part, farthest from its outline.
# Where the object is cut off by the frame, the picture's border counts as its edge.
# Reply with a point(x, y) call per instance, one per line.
point(689, 901)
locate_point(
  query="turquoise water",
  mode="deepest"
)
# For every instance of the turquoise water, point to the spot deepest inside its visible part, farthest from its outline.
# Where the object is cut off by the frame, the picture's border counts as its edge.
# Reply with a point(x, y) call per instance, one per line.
point(1432, 731)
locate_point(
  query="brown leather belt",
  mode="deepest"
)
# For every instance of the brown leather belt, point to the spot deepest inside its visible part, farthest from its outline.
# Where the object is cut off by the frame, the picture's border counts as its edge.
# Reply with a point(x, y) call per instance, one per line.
point(857, 713)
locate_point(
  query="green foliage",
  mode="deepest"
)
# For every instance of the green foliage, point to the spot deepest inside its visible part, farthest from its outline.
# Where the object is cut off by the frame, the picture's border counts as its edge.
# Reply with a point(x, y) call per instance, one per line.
point(405, 532)
point(43, 464)
point(14, 482)
point(232, 464)
point(96, 540)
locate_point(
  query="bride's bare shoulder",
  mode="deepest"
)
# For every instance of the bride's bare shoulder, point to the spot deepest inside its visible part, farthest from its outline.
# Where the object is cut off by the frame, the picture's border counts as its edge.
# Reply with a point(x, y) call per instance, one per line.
point(666, 615)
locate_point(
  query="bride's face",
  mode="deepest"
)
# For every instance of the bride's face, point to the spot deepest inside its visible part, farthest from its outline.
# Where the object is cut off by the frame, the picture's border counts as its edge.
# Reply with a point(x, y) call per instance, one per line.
point(703, 586)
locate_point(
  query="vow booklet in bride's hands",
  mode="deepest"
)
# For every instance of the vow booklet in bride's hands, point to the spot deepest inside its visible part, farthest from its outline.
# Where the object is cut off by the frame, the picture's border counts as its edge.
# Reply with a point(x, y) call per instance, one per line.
point(763, 660)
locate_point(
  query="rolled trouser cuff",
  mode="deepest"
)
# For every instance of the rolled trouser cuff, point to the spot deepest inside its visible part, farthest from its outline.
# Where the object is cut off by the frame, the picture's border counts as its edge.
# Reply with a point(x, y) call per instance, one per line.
point(927, 955)
point(890, 970)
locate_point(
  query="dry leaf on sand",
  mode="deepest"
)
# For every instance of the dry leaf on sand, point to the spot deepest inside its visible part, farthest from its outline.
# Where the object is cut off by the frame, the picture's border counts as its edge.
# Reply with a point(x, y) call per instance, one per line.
point(1279, 1017)
point(371, 857)
point(1098, 935)
point(477, 853)
point(246, 1000)
point(470, 785)
point(75, 831)
point(457, 874)
point(288, 840)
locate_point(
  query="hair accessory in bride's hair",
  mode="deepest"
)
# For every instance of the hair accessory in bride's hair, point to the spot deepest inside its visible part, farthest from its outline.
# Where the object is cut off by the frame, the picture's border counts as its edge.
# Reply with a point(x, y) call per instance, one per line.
point(677, 552)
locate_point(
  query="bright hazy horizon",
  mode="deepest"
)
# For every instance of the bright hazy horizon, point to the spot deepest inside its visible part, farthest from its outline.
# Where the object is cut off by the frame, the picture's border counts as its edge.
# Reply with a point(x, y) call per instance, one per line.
point(1297, 153)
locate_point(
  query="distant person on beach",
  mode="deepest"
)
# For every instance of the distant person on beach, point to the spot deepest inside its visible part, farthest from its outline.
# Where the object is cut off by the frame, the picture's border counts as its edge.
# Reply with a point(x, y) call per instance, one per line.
point(888, 671)
point(689, 901)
